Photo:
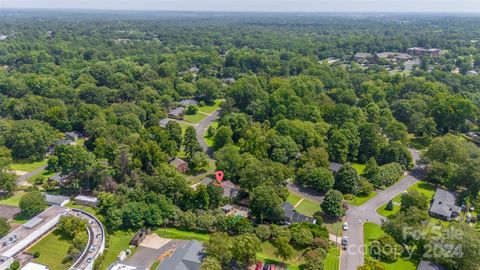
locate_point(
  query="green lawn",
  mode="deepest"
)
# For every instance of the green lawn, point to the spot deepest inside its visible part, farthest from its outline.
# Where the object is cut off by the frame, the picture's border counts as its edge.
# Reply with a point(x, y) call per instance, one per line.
point(268, 255)
point(308, 207)
point(87, 209)
point(194, 118)
point(333, 259)
point(359, 167)
point(372, 232)
point(14, 200)
point(212, 108)
point(209, 141)
point(293, 198)
point(53, 249)
point(359, 200)
point(178, 234)
point(28, 167)
point(117, 242)
point(423, 187)
point(418, 142)
point(45, 173)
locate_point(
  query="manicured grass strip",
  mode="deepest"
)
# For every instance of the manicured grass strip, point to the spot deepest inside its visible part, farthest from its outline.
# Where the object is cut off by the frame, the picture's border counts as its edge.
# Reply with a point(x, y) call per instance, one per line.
point(386, 213)
point(53, 249)
point(359, 167)
point(14, 200)
point(87, 209)
point(117, 242)
point(194, 118)
point(178, 234)
point(359, 200)
point(212, 108)
point(332, 260)
point(293, 198)
point(372, 232)
point(308, 207)
point(28, 167)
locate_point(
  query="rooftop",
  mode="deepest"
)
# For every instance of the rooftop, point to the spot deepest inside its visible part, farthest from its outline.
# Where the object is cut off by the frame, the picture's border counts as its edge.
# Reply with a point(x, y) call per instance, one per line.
point(188, 102)
point(34, 266)
point(187, 257)
point(56, 199)
point(86, 198)
point(177, 111)
point(444, 203)
point(177, 161)
point(425, 265)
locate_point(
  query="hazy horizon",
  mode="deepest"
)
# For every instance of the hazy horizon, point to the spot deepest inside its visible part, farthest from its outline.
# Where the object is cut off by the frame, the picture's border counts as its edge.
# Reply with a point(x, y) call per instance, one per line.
point(433, 6)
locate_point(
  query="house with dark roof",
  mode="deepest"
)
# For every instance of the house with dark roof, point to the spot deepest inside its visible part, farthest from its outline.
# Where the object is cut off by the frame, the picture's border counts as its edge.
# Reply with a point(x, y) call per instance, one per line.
point(188, 102)
point(187, 257)
point(177, 113)
point(426, 265)
point(290, 215)
point(56, 200)
point(444, 205)
point(179, 164)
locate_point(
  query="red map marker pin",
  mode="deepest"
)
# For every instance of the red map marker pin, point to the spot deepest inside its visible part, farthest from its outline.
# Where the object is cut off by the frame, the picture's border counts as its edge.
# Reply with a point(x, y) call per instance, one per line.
point(219, 176)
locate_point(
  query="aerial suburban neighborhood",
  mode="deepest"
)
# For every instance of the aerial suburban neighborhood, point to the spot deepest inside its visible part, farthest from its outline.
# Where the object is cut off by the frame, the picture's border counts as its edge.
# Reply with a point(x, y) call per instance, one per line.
point(211, 140)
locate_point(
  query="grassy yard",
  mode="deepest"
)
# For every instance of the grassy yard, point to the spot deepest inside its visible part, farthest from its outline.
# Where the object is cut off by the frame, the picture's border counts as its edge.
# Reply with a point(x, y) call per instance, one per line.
point(419, 143)
point(194, 118)
point(87, 209)
point(308, 207)
point(212, 108)
point(359, 167)
point(178, 234)
point(14, 200)
point(53, 248)
point(268, 255)
point(333, 258)
point(422, 187)
point(45, 173)
point(372, 232)
point(359, 200)
point(28, 167)
point(116, 242)
point(293, 198)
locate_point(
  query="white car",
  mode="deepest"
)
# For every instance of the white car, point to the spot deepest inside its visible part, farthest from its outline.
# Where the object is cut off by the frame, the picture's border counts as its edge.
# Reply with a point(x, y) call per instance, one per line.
point(345, 226)
point(344, 242)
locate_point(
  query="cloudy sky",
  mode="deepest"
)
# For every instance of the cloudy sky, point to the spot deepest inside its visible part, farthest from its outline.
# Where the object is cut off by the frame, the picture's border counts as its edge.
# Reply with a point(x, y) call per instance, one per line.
point(470, 6)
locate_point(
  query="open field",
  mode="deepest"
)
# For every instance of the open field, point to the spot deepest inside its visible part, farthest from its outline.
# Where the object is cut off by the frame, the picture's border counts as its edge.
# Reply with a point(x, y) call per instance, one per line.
point(194, 118)
point(53, 249)
point(293, 198)
point(210, 108)
point(14, 200)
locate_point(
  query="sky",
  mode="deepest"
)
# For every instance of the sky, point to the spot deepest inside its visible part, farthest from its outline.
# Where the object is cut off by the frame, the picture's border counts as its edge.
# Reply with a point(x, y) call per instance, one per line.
point(441, 6)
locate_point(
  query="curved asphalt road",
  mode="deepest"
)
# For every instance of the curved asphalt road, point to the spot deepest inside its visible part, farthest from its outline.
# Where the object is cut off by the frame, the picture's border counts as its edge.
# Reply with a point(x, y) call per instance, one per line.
point(356, 216)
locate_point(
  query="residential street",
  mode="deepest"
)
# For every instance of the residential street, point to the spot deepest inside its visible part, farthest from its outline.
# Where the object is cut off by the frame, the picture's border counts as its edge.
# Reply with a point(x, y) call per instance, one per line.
point(356, 216)
point(21, 180)
point(202, 127)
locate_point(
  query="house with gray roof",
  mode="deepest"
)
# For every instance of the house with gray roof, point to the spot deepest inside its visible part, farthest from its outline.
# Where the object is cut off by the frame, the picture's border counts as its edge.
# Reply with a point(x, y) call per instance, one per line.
point(187, 257)
point(335, 167)
point(188, 102)
point(290, 215)
point(57, 200)
point(426, 265)
point(163, 122)
point(177, 113)
point(444, 205)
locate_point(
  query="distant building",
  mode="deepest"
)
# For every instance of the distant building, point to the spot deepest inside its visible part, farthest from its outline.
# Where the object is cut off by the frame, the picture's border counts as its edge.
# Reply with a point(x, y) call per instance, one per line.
point(177, 113)
point(227, 208)
point(163, 122)
point(290, 215)
point(56, 200)
point(34, 266)
point(188, 102)
point(193, 70)
point(420, 51)
point(230, 190)
point(179, 164)
point(86, 200)
point(206, 181)
point(444, 205)
point(425, 265)
point(471, 72)
point(360, 57)
point(228, 80)
point(393, 56)
point(335, 167)
point(187, 257)
point(58, 179)
point(73, 135)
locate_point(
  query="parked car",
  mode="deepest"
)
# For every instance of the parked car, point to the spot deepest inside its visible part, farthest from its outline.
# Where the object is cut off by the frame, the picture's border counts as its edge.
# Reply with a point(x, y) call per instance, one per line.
point(344, 242)
point(345, 226)
point(259, 266)
point(266, 267)
point(272, 267)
